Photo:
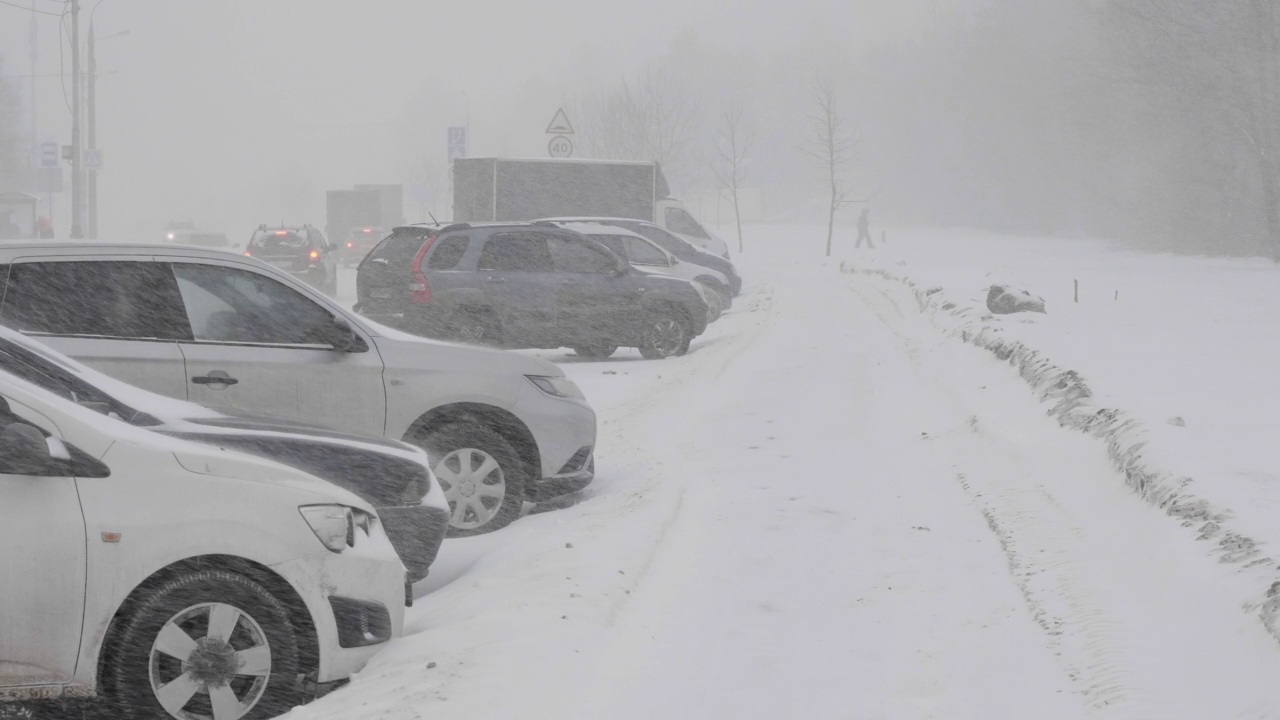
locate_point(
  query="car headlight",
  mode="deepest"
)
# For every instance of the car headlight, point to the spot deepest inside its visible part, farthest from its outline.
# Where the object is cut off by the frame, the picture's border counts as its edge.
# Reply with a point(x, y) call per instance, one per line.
point(335, 525)
point(557, 386)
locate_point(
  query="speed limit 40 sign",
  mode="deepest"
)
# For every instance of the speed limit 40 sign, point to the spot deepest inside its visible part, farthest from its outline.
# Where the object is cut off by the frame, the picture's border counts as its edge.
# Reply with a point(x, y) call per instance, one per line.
point(560, 147)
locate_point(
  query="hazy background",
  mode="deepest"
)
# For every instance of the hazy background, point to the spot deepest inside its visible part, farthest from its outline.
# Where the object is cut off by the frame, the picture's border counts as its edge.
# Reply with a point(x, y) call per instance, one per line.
point(1148, 121)
point(231, 113)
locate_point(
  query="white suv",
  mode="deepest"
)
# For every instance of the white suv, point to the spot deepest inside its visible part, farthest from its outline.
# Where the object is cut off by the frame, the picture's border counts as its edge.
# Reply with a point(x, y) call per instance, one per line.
point(227, 330)
point(177, 579)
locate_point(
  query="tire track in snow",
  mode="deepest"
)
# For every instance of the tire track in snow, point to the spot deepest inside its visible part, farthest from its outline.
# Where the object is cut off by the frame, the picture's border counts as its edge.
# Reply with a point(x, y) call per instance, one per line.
point(1125, 602)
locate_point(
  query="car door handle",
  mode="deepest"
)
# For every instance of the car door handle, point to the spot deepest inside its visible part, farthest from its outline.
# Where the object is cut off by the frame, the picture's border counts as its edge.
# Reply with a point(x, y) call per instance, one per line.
point(220, 378)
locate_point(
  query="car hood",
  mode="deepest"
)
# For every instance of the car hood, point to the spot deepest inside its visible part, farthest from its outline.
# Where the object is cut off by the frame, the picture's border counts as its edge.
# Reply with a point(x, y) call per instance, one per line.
point(216, 462)
point(385, 473)
point(402, 351)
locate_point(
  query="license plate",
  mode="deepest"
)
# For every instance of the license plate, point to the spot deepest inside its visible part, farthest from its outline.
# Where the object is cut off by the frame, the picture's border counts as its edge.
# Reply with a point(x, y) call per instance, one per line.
point(382, 294)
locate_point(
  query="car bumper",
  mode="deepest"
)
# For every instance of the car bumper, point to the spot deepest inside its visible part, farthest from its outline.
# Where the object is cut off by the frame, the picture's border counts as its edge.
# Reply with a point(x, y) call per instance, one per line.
point(331, 584)
point(565, 431)
point(417, 533)
point(554, 486)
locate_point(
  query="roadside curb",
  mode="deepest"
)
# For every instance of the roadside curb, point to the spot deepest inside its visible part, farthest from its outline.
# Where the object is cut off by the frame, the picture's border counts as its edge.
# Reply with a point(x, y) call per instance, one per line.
point(1072, 404)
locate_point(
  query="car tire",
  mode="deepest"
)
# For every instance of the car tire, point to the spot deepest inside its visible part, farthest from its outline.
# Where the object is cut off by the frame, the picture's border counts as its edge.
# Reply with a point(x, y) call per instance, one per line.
point(148, 678)
point(461, 455)
point(475, 327)
point(665, 333)
point(597, 350)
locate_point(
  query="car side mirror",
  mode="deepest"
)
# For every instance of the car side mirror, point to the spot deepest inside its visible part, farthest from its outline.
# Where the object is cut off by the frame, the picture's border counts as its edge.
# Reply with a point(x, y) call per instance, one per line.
point(24, 451)
point(621, 268)
point(342, 337)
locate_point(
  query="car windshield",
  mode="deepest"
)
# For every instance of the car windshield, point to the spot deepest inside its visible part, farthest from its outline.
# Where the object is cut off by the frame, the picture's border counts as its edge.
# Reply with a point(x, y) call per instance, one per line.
point(46, 372)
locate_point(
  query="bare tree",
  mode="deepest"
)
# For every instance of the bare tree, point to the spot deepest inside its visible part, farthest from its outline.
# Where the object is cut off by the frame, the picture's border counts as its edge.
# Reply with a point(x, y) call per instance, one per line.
point(648, 117)
point(834, 147)
point(733, 146)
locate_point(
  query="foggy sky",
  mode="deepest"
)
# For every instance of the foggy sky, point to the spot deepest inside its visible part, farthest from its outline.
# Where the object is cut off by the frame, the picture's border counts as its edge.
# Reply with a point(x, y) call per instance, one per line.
point(233, 113)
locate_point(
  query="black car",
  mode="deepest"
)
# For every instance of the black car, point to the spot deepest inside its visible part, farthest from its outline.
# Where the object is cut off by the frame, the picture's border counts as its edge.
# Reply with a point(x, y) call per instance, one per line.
point(529, 285)
point(392, 476)
point(358, 244)
point(301, 251)
point(672, 243)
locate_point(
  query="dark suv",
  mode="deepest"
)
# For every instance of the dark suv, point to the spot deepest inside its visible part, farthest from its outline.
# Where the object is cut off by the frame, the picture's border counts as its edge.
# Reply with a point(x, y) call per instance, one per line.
point(300, 251)
point(526, 285)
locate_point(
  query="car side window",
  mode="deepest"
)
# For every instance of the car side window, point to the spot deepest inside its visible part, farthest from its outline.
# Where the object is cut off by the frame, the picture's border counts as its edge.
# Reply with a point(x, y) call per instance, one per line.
point(662, 238)
point(448, 253)
point(516, 252)
point(613, 242)
point(227, 304)
point(574, 255)
point(643, 253)
point(133, 300)
point(682, 222)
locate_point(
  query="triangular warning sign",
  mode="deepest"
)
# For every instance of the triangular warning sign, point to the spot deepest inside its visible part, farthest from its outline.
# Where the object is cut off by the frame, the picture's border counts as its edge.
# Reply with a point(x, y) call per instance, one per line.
point(560, 124)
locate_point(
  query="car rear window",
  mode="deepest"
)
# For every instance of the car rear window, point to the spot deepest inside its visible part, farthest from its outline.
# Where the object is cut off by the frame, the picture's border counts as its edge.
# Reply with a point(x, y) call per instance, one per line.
point(448, 253)
point(399, 249)
point(278, 240)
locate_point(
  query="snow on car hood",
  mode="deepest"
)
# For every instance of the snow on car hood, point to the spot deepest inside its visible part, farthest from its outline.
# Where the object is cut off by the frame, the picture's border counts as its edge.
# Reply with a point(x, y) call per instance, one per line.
point(238, 466)
point(402, 351)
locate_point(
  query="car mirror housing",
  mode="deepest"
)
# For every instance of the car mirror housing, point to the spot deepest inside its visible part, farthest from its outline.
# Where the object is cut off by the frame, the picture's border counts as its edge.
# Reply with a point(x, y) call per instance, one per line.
point(621, 268)
point(343, 338)
point(24, 451)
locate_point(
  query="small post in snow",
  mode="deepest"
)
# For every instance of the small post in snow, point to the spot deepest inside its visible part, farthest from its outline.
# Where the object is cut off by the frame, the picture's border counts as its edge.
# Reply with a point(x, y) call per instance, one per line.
point(1077, 290)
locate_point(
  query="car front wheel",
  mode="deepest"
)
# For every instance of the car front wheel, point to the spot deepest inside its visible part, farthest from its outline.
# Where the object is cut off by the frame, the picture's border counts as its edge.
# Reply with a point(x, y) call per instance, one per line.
point(666, 333)
point(210, 645)
point(480, 473)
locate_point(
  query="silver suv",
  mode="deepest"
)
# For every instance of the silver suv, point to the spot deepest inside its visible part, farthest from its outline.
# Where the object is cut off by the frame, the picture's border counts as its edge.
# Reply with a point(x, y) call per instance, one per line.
point(228, 330)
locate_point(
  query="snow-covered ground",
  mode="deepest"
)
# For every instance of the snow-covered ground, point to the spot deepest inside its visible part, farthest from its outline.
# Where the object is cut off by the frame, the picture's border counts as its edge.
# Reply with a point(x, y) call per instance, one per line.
point(833, 509)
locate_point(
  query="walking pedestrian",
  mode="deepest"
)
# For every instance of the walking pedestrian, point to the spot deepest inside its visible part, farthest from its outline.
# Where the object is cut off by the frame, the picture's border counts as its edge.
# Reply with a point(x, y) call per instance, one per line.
point(864, 229)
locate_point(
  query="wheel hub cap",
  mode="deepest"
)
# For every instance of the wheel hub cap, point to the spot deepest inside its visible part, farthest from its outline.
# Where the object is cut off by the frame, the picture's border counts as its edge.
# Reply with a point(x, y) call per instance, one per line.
point(213, 662)
point(474, 484)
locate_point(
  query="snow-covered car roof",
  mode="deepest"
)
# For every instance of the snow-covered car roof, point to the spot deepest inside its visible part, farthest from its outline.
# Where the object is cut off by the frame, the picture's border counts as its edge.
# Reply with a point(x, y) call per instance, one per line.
point(589, 227)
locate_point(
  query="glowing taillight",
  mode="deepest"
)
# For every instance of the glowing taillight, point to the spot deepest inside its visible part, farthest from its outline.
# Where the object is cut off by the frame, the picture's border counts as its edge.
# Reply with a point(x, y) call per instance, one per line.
point(248, 254)
point(368, 230)
point(351, 245)
point(420, 291)
point(282, 232)
point(315, 254)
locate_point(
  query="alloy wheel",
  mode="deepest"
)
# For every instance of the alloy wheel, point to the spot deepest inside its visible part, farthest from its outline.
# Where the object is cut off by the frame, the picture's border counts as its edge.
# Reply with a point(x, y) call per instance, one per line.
point(666, 336)
point(210, 662)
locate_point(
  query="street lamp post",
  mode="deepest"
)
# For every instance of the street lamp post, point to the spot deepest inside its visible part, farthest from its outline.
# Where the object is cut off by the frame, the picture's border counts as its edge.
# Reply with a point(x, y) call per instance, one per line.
point(93, 125)
point(77, 192)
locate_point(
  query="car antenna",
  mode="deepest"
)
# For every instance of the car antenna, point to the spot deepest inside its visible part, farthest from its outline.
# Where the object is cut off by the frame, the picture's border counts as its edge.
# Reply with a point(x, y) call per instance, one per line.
point(433, 218)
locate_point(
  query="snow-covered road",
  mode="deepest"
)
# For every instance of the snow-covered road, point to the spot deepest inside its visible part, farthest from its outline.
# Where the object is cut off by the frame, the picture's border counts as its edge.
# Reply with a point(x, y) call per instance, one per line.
point(827, 510)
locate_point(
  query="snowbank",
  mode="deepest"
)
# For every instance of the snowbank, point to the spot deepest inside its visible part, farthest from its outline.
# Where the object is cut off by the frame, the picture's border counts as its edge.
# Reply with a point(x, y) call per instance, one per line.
point(1153, 473)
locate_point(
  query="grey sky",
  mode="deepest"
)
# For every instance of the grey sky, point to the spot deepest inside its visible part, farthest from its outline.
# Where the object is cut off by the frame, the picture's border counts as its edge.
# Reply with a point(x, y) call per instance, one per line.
point(233, 112)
